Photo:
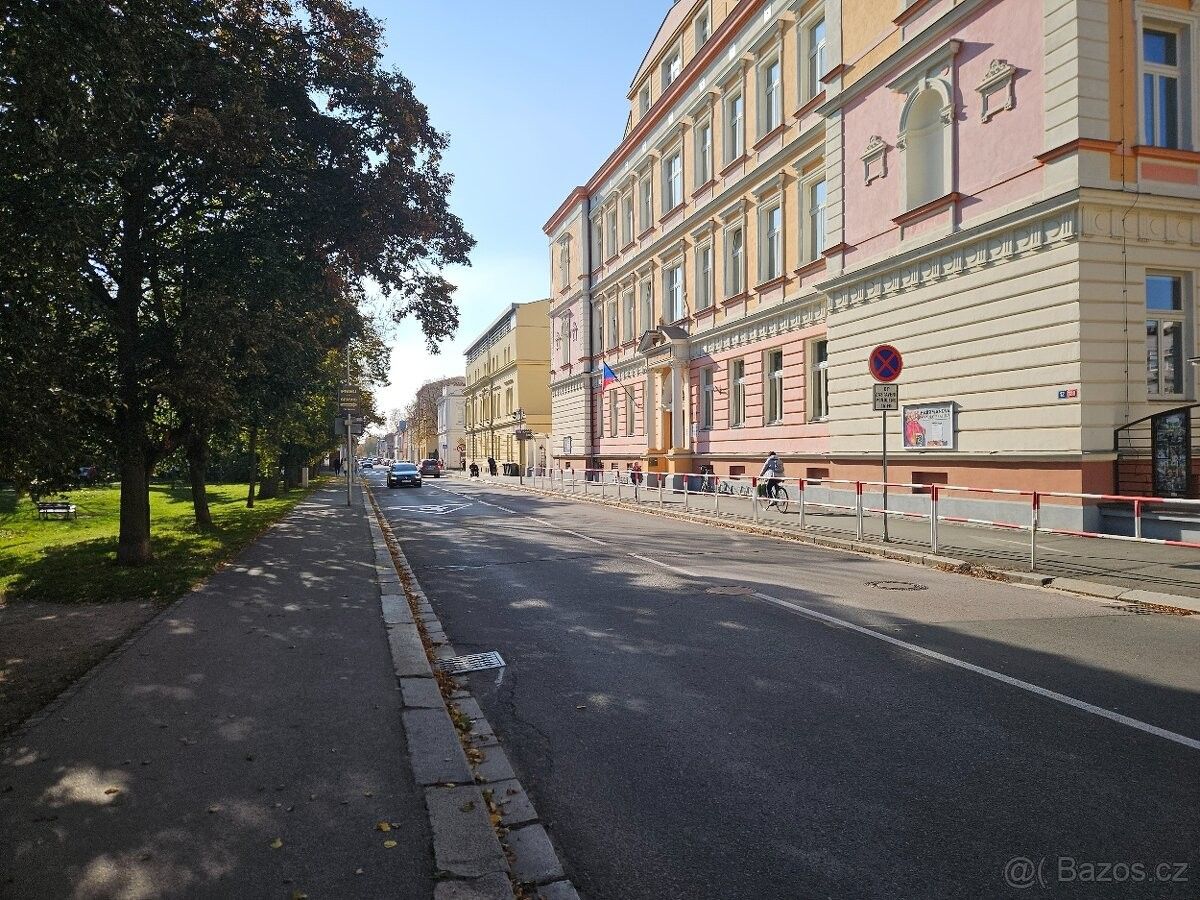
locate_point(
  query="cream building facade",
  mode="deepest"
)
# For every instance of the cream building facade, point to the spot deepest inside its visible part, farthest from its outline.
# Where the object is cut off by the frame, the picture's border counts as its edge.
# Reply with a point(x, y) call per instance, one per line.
point(1006, 191)
point(508, 373)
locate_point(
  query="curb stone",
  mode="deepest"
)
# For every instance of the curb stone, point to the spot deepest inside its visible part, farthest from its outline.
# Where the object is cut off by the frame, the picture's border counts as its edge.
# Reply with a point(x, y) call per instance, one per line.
point(915, 557)
point(467, 847)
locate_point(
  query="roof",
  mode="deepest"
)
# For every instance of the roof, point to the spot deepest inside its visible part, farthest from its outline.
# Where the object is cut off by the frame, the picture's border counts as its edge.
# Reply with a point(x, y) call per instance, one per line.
point(674, 18)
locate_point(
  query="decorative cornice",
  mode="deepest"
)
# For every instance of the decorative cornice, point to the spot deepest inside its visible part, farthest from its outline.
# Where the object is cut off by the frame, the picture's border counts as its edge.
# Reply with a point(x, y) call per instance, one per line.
point(1031, 231)
point(801, 312)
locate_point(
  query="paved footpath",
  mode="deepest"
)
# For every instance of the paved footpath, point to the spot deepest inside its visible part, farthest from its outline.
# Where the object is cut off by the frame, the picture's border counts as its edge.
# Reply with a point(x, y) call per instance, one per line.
point(246, 744)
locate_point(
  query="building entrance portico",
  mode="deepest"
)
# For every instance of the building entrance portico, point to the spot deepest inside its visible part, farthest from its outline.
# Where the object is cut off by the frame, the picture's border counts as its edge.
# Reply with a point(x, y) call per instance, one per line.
point(666, 350)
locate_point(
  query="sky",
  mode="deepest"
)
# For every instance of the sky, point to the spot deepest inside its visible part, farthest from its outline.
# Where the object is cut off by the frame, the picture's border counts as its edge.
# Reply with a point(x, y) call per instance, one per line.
point(532, 95)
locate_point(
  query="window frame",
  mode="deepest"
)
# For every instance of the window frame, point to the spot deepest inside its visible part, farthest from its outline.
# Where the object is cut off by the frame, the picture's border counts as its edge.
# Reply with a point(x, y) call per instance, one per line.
point(703, 27)
point(814, 54)
point(646, 200)
point(1183, 317)
point(673, 290)
point(707, 398)
point(627, 218)
point(770, 94)
point(613, 315)
point(628, 311)
point(704, 276)
point(734, 128)
point(702, 162)
point(612, 412)
point(818, 401)
point(629, 414)
point(734, 286)
point(772, 387)
point(646, 303)
point(1180, 72)
point(672, 180)
point(671, 68)
point(610, 218)
point(564, 263)
point(737, 393)
point(770, 242)
point(815, 216)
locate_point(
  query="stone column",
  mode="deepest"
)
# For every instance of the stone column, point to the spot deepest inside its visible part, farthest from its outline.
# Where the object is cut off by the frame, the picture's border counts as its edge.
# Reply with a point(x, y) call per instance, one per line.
point(650, 410)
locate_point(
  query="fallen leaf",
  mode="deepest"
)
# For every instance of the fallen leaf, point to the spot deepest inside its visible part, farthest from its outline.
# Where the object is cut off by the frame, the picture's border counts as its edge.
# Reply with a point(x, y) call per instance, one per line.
point(277, 843)
point(358, 871)
point(214, 809)
point(113, 791)
point(389, 844)
point(368, 794)
point(384, 826)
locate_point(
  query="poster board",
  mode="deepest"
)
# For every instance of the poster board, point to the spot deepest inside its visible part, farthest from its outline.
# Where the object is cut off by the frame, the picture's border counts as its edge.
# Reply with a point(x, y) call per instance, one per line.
point(929, 426)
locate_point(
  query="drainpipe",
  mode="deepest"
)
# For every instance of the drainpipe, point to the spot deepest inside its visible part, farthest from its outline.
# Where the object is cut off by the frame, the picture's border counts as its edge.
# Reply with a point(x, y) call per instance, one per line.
point(589, 428)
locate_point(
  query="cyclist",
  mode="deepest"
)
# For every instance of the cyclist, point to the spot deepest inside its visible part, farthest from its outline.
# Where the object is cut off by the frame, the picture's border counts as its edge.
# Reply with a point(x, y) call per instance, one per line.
point(772, 470)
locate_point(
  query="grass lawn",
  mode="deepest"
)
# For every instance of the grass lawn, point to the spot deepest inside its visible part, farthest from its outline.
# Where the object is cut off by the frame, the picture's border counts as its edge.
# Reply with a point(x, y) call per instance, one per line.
point(75, 560)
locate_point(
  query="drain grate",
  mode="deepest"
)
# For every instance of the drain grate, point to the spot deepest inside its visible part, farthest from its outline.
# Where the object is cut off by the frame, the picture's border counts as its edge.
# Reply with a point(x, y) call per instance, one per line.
point(898, 585)
point(472, 662)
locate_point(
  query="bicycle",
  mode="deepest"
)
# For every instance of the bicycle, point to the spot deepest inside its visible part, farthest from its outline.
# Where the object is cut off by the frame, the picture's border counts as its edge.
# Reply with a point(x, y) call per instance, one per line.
point(779, 497)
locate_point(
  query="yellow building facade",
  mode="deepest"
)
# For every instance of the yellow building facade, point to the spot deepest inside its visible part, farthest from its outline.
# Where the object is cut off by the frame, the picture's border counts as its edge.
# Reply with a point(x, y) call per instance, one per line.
point(507, 385)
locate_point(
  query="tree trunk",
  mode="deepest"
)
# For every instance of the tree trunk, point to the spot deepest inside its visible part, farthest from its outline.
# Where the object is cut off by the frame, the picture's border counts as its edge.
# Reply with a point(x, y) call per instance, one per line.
point(253, 465)
point(197, 457)
point(269, 489)
point(133, 545)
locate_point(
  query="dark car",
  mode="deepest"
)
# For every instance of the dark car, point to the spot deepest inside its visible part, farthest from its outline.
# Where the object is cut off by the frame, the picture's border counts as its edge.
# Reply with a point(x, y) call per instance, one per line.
point(403, 475)
point(431, 467)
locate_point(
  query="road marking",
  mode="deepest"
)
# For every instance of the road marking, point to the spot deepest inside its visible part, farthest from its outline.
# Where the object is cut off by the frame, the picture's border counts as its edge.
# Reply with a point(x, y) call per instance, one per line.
point(586, 537)
point(1082, 705)
point(667, 566)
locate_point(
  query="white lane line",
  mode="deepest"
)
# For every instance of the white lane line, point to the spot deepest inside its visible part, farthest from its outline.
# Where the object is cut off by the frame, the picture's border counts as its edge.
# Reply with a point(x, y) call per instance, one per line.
point(667, 566)
point(586, 537)
point(1100, 711)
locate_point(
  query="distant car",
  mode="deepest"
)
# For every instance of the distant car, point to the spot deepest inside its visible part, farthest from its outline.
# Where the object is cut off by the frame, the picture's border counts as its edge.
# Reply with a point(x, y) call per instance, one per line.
point(402, 474)
point(431, 467)
point(368, 463)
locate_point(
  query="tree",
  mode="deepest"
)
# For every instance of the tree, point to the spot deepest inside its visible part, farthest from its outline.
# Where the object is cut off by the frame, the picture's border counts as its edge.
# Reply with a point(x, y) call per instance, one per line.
point(421, 414)
point(141, 140)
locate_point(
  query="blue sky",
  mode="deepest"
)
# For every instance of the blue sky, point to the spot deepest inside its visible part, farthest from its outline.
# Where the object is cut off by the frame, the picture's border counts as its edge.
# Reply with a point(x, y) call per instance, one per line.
point(532, 94)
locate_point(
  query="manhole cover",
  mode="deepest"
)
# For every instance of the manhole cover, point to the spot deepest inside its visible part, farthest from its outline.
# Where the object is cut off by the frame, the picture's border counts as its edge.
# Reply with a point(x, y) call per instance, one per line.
point(472, 662)
point(897, 585)
point(732, 590)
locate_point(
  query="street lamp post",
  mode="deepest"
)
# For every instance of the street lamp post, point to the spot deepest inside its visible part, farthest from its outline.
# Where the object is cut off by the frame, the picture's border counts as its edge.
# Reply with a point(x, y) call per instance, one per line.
point(519, 419)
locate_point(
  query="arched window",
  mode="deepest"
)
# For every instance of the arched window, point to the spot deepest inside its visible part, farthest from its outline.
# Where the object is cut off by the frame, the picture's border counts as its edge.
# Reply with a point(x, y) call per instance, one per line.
point(925, 146)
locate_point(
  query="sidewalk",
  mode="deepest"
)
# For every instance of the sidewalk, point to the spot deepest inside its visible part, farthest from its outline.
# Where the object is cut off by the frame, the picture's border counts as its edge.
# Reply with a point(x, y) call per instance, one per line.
point(1124, 565)
point(246, 744)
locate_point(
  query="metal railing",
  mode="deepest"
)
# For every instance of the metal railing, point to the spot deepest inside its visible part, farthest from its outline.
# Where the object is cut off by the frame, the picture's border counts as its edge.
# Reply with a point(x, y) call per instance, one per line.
point(724, 494)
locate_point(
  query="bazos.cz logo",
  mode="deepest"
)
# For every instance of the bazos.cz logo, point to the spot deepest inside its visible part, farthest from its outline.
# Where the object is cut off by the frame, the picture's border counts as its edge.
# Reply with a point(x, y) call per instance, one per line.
point(1022, 872)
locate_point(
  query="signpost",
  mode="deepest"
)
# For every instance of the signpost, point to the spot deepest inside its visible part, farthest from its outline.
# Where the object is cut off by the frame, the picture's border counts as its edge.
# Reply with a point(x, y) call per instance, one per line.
point(885, 365)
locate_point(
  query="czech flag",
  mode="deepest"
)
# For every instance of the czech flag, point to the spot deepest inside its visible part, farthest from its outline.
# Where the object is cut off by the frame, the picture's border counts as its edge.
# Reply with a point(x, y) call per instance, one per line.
point(609, 377)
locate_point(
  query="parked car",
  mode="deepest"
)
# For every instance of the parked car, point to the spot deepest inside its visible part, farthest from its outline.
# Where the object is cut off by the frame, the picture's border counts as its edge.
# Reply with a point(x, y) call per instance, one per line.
point(403, 474)
point(431, 467)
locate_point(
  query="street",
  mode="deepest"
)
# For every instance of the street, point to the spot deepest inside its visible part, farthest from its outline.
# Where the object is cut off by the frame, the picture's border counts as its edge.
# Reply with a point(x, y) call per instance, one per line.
point(699, 713)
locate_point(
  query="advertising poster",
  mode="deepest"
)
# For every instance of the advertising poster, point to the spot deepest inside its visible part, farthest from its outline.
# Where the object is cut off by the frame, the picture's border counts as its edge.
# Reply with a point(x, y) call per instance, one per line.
point(929, 426)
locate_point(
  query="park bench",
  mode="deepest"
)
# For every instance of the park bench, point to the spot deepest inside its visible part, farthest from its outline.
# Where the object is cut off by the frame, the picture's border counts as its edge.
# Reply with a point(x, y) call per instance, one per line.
point(56, 508)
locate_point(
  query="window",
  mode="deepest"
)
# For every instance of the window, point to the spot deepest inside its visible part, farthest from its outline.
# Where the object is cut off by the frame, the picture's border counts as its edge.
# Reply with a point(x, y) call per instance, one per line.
point(629, 420)
point(815, 42)
point(564, 264)
point(706, 398)
point(644, 100)
point(702, 29)
point(670, 69)
point(1160, 88)
point(613, 335)
point(646, 195)
point(703, 154)
point(735, 276)
point(565, 339)
point(508, 401)
point(612, 413)
point(612, 232)
point(774, 386)
point(599, 317)
point(734, 146)
point(597, 241)
point(1166, 317)
point(925, 150)
point(627, 218)
point(770, 98)
point(647, 304)
point(627, 324)
point(816, 219)
point(704, 296)
point(673, 292)
point(737, 392)
point(672, 181)
point(771, 243)
point(819, 402)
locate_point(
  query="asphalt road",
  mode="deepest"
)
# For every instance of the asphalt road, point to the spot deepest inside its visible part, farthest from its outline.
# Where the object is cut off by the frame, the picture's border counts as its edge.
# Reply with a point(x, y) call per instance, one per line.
point(702, 714)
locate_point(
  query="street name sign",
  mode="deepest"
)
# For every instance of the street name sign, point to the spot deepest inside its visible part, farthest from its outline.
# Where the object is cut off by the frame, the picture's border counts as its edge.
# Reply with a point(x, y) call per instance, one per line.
point(886, 397)
point(523, 434)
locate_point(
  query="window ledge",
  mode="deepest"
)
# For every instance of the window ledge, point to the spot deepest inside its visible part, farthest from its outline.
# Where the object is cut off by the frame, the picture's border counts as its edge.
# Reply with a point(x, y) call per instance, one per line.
point(611, 259)
point(770, 136)
point(772, 284)
point(734, 164)
point(834, 73)
point(810, 267)
point(629, 245)
point(710, 310)
point(704, 187)
point(736, 298)
point(646, 233)
point(670, 212)
point(836, 249)
point(1176, 154)
point(1075, 145)
point(926, 208)
point(628, 344)
point(810, 105)
point(914, 10)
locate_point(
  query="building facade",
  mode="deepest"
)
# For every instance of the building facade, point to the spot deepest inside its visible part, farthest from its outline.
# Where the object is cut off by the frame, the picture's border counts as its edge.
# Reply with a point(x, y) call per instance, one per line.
point(452, 422)
point(507, 383)
point(1006, 191)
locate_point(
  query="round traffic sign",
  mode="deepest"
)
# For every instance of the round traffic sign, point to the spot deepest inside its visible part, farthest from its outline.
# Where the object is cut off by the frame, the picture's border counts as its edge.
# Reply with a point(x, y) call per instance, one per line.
point(886, 363)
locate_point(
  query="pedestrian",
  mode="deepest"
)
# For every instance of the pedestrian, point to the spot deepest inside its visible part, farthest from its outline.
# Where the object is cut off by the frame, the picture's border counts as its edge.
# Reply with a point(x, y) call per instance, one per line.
point(491, 466)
